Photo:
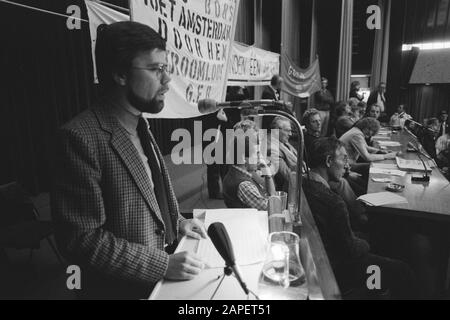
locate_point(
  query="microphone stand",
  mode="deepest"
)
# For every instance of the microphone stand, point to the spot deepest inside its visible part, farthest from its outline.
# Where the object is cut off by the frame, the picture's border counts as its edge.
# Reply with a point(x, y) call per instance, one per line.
point(300, 147)
point(259, 105)
point(426, 177)
point(227, 271)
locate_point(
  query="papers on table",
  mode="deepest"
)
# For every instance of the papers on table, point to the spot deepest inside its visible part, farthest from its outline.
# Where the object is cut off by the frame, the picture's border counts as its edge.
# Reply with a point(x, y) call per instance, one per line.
point(382, 199)
point(415, 165)
point(388, 143)
point(391, 172)
point(382, 165)
point(385, 180)
point(248, 232)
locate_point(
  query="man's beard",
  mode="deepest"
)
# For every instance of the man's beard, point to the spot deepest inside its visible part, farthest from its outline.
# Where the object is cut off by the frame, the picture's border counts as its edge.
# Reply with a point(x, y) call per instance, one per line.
point(144, 105)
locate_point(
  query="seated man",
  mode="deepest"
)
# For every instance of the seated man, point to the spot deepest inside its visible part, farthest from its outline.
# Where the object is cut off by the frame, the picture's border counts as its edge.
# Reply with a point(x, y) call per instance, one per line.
point(398, 119)
point(283, 156)
point(286, 158)
point(344, 119)
point(428, 136)
point(244, 186)
point(313, 124)
point(374, 111)
point(349, 255)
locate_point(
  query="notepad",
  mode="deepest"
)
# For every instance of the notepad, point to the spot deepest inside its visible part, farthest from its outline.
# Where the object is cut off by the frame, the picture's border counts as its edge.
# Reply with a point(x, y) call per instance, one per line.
point(248, 232)
point(382, 165)
point(391, 172)
point(382, 199)
point(414, 165)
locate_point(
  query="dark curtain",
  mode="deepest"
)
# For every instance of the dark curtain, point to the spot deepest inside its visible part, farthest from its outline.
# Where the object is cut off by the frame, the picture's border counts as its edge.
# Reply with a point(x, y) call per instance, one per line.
point(244, 23)
point(416, 21)
point(47, 72)
point(328, 30)
point(426, 101)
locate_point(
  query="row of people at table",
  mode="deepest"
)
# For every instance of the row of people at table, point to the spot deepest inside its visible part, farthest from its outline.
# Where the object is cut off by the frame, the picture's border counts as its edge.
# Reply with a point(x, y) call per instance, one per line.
point(328, 188)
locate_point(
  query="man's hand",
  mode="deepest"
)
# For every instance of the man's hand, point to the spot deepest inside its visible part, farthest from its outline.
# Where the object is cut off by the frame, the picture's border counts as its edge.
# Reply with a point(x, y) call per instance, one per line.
point(184, 266)
point(193, 228)
point(354, 175)
point(390, 155)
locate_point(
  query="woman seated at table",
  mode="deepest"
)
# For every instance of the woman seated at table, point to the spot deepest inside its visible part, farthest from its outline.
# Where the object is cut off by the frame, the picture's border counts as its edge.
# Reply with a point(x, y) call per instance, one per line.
point(443, 153)
point(355, 143)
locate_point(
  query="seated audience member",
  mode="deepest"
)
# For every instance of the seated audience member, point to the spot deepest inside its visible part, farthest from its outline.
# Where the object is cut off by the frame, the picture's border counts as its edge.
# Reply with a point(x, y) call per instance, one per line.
point(398, 119)
point(349, 255)
point(353, 102)
point(355, 143)
point(283, 156)
point(244, 186)
point(429, 135)
point(343, 120)
point(374, 111)
point(443, 151)
point(288, 163)
point(313, 123)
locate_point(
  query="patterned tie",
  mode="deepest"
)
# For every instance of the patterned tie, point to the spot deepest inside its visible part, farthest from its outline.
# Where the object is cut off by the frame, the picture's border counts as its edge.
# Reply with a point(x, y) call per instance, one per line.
point(157, 177)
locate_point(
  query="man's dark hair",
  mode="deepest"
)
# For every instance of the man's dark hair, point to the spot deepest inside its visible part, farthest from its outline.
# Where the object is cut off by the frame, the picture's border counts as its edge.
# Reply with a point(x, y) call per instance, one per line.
point(118, 44)
point(321, 149)
point(274, 80)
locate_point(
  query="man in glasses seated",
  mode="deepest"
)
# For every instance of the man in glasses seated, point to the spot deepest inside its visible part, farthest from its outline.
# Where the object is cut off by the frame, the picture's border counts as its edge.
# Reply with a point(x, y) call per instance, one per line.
point(349, 255)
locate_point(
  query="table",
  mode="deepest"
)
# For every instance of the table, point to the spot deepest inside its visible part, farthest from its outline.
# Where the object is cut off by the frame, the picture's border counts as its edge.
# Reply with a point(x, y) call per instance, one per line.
point(428, 200)
point(321, 281)
point(428, 204)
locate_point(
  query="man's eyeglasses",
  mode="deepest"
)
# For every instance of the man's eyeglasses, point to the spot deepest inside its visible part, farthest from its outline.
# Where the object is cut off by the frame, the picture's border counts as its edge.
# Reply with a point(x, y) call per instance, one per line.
point(160, 68)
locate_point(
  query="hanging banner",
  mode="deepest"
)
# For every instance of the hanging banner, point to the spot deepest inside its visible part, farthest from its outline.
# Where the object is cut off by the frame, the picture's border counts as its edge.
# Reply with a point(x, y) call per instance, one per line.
point(199, 34)
point(99, 14)
point(250, 66)
point(300, 82)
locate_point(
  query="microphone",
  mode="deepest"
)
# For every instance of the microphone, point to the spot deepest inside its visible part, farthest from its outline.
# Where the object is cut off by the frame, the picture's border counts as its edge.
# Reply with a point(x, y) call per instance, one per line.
point(210, 105)
point(426, 177)
point(420, 125)
point(221, 240)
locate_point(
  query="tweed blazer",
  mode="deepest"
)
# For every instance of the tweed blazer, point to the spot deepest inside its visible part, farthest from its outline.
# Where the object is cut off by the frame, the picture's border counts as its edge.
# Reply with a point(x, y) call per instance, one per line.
point(106, 214)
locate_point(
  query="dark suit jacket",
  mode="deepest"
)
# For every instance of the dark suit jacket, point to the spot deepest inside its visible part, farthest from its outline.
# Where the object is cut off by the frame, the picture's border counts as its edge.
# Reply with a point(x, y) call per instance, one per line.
point(441, 125)
point(332, 218)
point(106, 215)
point(373, 98)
